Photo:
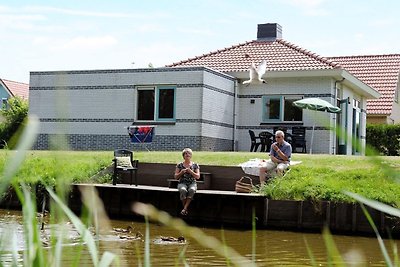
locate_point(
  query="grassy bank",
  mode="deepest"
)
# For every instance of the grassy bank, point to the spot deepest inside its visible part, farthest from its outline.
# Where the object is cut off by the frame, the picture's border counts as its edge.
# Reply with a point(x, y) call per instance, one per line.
point(49, 166)
point(318, 177)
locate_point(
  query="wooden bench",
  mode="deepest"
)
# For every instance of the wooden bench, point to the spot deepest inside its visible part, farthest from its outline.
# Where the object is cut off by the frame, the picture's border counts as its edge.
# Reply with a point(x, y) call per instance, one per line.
point(204, 181)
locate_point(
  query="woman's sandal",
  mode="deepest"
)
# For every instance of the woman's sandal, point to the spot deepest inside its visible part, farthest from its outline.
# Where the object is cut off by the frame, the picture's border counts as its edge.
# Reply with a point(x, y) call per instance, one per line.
point(184, 212)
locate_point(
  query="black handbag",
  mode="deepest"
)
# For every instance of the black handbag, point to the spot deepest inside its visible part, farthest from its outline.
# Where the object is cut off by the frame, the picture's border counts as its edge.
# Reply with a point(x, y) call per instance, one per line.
point(244, 185)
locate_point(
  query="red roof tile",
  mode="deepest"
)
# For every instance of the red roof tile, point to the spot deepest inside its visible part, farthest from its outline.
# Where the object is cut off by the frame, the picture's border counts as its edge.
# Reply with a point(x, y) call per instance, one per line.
point(380, 72)
point(17, 88)
point(280, 55)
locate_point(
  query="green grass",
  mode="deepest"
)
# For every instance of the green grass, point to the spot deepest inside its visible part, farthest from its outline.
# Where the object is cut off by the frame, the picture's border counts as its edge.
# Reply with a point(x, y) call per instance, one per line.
point(68, 166)
point(324, 177)
point(318, 177)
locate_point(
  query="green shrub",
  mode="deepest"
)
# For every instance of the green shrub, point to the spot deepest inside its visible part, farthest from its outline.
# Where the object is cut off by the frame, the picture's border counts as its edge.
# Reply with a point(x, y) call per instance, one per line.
point(385, 139)
point(14, 117)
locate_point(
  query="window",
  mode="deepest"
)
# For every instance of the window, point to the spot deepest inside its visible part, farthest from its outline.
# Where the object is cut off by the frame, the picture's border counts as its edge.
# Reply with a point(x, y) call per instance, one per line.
point(156, 103)
point(4, 103)
point(166, 99)
point(281, 109)
point(291, 113)
point(271, 108)
point(145, 104)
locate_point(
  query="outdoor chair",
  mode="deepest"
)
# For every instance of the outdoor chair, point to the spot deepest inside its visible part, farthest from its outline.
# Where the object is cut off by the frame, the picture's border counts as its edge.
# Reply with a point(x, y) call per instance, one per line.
point(254, 143)
point(299, 138)
point(281, 128)
point(267, 139)
point(124, 163)
point(289, 138)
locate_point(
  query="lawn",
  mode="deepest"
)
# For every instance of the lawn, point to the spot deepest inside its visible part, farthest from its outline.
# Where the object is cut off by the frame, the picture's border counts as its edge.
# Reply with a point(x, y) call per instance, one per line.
point(318, 177)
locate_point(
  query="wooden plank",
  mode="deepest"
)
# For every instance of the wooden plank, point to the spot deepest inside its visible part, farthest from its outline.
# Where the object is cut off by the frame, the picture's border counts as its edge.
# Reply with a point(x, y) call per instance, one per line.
point(222, 177)
point(228, 207)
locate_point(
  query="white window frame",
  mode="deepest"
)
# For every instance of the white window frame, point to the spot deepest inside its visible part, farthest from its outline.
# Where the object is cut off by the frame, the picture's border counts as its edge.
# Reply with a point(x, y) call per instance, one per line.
point(282, 99)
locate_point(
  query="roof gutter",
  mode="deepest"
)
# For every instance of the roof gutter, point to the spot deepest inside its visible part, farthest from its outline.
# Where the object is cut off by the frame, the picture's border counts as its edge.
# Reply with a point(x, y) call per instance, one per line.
point(359, 87)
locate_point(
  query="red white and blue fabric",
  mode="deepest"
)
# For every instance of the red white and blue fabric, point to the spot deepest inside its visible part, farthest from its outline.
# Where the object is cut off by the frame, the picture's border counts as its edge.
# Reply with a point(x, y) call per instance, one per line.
point(141, 134)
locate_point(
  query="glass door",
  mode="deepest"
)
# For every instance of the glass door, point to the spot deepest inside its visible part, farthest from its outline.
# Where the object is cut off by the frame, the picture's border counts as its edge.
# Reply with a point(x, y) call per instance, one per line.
point(341, 126)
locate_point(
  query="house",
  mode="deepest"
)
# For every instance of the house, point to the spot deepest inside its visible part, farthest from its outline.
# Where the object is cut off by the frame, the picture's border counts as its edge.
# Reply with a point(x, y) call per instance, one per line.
point(381, 72)
point(10, 89)
point(202, 103)
point(293, 73)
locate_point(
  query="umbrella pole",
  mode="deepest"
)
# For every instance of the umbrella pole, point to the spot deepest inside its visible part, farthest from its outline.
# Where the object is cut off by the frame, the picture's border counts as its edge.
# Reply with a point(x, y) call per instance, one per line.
point(313, 129)
point(312, 138)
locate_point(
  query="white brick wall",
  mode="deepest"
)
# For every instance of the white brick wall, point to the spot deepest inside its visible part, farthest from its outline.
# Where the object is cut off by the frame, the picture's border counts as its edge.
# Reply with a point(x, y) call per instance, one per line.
point(250, 114)
point(104, 102)
point(82, 97)
point(96, 104)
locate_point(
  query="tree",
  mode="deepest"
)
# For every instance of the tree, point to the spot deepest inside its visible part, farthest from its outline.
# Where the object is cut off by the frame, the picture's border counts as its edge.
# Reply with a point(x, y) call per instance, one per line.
point(13, 118)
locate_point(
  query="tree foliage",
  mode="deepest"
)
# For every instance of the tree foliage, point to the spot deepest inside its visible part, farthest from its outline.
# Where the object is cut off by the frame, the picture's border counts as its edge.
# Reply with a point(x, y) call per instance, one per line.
point(13, 117)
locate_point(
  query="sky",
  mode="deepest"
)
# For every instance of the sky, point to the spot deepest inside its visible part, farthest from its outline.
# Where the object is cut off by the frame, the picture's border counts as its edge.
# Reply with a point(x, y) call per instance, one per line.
point(44, 35)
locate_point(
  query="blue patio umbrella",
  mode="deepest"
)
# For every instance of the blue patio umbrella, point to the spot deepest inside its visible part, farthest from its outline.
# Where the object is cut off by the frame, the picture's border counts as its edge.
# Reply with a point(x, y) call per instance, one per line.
point(315, 104)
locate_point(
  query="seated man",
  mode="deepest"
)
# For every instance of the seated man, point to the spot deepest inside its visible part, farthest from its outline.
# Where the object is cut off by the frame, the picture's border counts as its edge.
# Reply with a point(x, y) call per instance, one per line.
point(280, 154)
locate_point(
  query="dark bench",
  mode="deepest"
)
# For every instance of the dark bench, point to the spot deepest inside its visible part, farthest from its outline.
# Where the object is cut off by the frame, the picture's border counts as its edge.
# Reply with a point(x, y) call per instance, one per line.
point(204, 181)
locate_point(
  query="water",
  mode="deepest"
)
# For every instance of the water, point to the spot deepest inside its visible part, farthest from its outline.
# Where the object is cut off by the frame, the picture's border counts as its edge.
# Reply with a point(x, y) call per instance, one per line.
point(273, 248)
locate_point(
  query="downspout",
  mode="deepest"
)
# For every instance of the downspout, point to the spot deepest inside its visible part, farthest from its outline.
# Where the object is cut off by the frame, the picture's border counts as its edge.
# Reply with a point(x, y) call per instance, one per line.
point(234, 115)
point(334, 148)
point(336, 82)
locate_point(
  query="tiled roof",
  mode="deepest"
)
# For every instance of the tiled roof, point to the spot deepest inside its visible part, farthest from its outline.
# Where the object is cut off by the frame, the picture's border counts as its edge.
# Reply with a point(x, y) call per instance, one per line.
point(280, 56)
point(17, 88)
point(380, 72)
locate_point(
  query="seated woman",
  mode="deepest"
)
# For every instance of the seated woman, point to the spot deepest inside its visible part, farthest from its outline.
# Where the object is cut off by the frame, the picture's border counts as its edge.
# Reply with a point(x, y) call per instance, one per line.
point(187, 172)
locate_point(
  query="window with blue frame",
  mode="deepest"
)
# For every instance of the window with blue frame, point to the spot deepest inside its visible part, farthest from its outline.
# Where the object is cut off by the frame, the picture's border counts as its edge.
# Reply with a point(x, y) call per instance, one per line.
point(156, 103)
point(4, 103)
point(281, 109)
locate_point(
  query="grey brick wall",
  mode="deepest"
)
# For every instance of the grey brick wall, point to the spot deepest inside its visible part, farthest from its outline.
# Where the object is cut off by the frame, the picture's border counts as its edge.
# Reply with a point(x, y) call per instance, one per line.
point(111, 142)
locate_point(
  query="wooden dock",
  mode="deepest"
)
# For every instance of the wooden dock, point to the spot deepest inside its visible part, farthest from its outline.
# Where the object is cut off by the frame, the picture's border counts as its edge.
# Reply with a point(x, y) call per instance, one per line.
point(228, 208)
point(219, 205)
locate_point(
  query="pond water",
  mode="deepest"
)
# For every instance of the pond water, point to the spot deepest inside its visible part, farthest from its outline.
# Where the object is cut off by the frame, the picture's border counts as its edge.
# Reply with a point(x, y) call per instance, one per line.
point(273, 248)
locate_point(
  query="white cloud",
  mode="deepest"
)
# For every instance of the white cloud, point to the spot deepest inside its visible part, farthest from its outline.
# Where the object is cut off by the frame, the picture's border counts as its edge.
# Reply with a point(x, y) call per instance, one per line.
point(73, 12)
point(83, 43)
point(359, 36)
point(384, 22)
point(19, 21)
point(85, 13)
point(307, 3)
point(310, 7)
point(148, 27)
point(196, 32)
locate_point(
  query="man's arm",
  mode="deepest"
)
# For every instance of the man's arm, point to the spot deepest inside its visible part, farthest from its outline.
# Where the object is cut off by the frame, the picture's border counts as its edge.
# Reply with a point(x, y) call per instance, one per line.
point(282, 155)
point(278, 153)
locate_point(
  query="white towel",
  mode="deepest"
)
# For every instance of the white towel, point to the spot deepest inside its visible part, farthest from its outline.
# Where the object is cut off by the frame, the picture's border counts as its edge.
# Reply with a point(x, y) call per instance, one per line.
point(252, 167)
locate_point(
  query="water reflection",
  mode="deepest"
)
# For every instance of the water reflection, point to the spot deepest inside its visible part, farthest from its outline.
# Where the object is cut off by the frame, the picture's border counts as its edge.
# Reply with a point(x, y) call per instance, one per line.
point(273, 248)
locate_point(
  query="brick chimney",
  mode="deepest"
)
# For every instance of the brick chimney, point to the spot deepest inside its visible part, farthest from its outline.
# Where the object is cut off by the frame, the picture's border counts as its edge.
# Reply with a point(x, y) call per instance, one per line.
point(269, 32)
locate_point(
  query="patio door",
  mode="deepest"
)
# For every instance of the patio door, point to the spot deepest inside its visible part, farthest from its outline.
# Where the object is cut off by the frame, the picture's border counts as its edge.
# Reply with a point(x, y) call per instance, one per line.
point(342, 121)
point(356, 128)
